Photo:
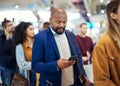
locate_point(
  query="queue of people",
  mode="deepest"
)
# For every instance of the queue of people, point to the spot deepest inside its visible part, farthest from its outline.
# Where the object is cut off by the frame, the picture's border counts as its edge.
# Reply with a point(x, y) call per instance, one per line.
point(43, 58)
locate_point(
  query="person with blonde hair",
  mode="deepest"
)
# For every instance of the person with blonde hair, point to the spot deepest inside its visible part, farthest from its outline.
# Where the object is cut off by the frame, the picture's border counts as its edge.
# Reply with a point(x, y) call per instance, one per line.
point(106, 54)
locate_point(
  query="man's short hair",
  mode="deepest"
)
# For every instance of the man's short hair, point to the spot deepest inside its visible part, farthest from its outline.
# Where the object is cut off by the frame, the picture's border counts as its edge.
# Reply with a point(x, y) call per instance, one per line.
point(4, 23)
point(82, 24)
point(46, 25)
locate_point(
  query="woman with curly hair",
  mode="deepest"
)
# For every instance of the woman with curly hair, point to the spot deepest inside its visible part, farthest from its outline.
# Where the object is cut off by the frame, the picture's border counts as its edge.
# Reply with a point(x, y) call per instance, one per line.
point(23, 38)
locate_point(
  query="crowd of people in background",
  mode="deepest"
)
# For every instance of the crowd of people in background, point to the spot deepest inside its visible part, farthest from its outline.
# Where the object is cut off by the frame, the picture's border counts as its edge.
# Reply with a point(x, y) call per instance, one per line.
point(43, 58)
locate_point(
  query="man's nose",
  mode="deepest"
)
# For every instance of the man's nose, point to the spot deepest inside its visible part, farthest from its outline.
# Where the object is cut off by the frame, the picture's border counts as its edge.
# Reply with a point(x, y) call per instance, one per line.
point(61, 24)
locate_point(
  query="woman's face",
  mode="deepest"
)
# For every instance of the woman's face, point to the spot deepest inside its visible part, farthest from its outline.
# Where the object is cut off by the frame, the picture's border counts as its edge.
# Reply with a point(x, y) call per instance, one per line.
point(117, 15)
point(30, 31)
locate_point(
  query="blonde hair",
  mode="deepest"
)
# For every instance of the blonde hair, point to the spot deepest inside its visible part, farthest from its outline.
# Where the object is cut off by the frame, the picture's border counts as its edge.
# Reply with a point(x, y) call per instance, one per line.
point(113, 29)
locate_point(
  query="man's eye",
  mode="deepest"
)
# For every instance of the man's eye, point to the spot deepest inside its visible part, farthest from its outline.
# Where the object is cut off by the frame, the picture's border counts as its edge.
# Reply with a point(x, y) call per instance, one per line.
point(58, 22)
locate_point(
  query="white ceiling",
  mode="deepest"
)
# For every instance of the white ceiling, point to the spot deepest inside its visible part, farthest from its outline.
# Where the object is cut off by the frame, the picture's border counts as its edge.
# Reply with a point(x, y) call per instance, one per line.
point(41, 4)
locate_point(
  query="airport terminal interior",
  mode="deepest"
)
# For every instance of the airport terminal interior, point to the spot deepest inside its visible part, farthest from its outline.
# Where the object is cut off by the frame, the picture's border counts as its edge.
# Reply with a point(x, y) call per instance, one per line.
point(93, 12)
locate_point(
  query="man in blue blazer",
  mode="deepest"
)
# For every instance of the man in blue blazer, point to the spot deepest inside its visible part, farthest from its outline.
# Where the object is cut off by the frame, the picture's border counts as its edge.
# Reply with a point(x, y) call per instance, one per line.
point(51, 51)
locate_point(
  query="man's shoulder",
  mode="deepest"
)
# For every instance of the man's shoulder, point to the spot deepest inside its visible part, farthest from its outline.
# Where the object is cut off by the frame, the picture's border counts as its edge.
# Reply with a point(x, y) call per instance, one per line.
point(89, 38)
point(41, 34)
point(2, 37)
point(69, 32)
point(77, 36)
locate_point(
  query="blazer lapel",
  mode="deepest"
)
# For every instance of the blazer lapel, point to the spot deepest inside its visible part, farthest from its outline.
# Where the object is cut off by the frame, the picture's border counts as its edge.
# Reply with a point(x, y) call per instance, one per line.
point(52, 40)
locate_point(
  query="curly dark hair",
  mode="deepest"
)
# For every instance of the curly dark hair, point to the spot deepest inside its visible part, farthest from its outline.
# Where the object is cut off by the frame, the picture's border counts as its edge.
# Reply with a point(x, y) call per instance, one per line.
point(20, 32)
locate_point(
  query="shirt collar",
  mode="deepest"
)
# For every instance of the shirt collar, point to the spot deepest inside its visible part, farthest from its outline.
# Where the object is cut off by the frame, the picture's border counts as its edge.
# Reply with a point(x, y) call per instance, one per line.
point(52, 30)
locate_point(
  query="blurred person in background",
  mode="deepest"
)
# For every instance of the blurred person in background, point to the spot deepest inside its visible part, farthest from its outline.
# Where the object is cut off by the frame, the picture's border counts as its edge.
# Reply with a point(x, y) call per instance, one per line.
point(45, 25)
point(7, 53)
point(106, 54)
point(85, 45)
point(23, 39)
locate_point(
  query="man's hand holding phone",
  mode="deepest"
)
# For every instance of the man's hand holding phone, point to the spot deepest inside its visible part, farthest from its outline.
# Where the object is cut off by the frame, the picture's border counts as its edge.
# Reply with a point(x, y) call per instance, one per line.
point(64, 63)
point(72, 58)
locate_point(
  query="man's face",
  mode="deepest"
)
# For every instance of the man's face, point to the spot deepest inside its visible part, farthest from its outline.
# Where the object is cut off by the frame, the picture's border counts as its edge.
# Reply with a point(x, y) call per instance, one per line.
point(83, 29)
point(58, 23)
point(10, 26)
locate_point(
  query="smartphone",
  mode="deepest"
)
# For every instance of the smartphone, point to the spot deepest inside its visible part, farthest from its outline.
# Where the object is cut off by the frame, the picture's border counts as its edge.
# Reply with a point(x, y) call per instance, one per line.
point(72, 58)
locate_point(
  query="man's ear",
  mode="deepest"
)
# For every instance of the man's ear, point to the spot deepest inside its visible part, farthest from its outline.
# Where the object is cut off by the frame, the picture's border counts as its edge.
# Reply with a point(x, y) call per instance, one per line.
point(113, 15)
point(50, 20)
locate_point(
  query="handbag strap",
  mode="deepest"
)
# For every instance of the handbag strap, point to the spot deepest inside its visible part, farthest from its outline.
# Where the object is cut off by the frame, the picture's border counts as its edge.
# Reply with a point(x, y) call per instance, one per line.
point(17, 69)
point(77, 59)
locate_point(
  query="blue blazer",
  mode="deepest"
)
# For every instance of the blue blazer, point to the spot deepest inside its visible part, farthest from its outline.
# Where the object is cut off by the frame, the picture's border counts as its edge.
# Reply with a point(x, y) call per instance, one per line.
point(44, 59)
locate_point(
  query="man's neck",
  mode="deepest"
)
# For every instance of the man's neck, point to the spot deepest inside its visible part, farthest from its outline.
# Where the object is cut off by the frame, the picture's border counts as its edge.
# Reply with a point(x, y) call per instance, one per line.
point(82, 35)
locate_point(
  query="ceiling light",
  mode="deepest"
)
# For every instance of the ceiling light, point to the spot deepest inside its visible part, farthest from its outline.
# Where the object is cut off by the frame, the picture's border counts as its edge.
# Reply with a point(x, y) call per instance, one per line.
point(108, 1)
point(101, 1)
point(102, 11)
point(88, 14)
point(48, 8)
point(16, 6)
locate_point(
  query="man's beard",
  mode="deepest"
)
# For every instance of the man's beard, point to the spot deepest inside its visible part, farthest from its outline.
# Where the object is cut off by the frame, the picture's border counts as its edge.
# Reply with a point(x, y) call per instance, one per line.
point(59, 30)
